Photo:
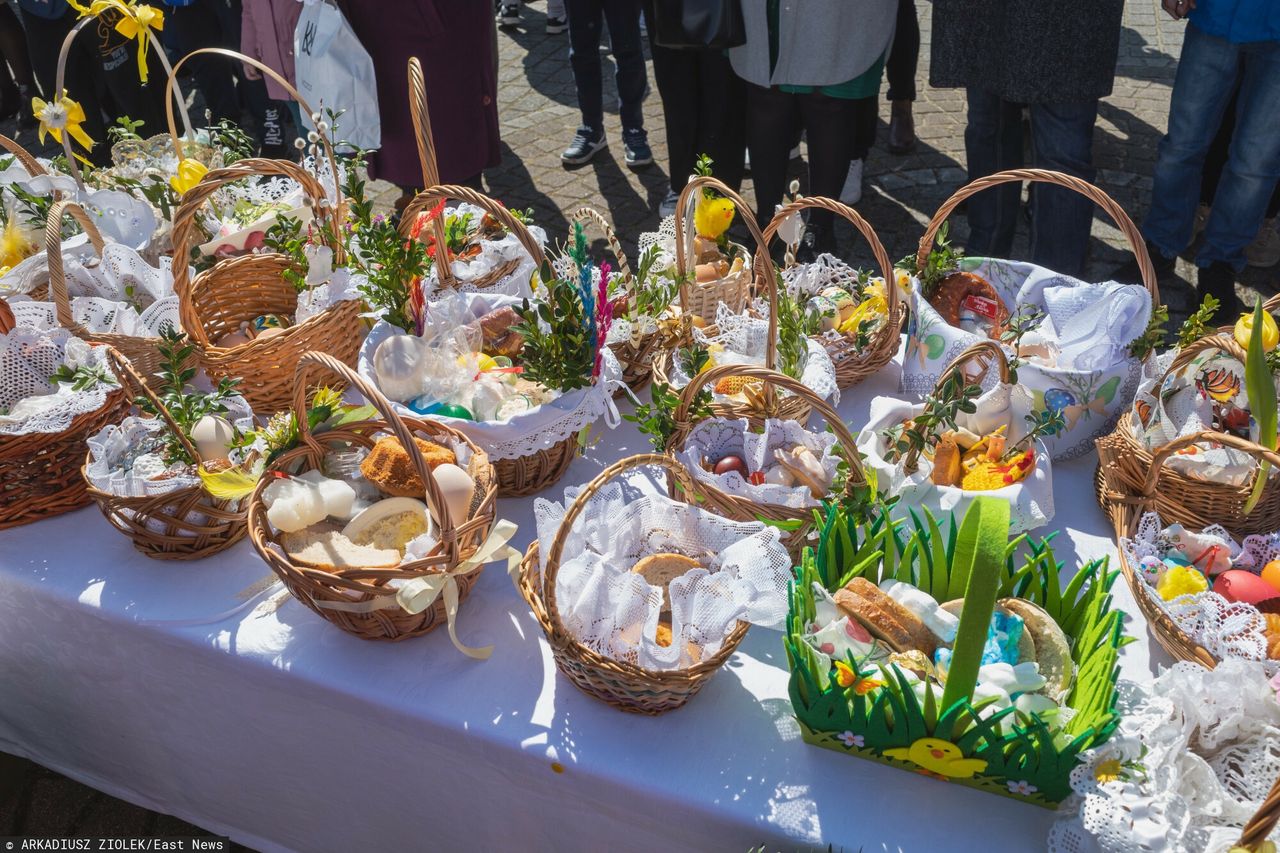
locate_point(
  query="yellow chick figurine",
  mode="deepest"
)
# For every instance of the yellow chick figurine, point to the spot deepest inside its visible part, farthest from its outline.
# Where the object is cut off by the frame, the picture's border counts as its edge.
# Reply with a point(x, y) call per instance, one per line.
point(939, 756)
point(712, 216)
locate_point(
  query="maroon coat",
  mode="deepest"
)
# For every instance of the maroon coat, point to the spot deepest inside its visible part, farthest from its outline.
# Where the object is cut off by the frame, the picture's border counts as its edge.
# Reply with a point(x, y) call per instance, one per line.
point(453, 39)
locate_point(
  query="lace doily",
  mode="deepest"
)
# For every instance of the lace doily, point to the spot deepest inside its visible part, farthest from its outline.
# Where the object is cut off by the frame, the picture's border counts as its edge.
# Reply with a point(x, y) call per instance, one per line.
point(718, 437)
point(1196, 753)
point(1227, 629)
point(31, 402)
point(493, 254)
point(537, 429)
point(741, 338)
point(1030, 500)
point(743, 576)
point(824, 271)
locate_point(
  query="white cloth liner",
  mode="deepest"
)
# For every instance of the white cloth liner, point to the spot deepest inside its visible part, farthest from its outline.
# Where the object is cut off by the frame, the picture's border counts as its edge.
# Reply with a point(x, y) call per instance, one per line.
point(743, 575)
point(493, 254)
point(1030, 500)
point(1212, 752)
point(29, 356)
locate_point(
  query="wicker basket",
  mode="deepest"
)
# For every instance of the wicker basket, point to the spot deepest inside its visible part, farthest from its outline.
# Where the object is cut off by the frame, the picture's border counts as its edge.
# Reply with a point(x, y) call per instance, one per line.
point(216, 301)
point(703, 298)
point(634, 355)
point(623, 685)
point(851, 363)
point(191, 523)
point(23, 156)
point(1130, 469)
point(770, 405)
point(360, 601)
point(142, 353)
point(1263, 822)
point(1126, 507)
point(797, 523)
point(40, 470)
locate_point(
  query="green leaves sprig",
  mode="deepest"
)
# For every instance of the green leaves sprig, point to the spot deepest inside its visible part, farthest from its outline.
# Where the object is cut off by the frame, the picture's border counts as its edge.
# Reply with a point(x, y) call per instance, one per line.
point(942, 260)
point(186, 405)
point(907, 441)
point(1200, 323)
point(560, 356)
point(795, 324)
point(656, 419)
point(1153, 337)
point(84, 377)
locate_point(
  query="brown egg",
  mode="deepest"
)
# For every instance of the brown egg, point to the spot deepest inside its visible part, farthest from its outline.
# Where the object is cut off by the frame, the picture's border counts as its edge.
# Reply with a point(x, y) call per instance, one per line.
point(731, 463)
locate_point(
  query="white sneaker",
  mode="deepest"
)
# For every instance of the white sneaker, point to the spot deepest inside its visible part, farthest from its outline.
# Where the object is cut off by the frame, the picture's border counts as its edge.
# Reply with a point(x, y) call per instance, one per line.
point(1264, 251)
point(852, 192)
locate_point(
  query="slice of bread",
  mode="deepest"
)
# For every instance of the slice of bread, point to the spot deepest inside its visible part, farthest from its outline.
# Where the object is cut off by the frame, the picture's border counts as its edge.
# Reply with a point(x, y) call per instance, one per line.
point(323, 546)
point(1053, 651)
point(661, 569)
point(884, 618)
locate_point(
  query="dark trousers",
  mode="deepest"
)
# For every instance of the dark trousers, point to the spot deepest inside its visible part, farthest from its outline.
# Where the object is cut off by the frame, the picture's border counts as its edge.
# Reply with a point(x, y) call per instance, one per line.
point(623, 17)
point(1062, 140)
point(209, 23)
point(1216, 160)
point(704, 104)
point(831, 126)
point(904, 55)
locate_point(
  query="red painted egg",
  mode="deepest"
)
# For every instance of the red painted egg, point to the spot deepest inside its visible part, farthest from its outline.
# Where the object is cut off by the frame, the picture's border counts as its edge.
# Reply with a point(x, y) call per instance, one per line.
point(1240, 585)
point(731, 463)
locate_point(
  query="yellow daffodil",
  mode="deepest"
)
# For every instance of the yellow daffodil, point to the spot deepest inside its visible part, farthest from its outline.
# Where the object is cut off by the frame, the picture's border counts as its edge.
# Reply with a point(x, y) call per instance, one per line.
point(136, 22)
point(190, 173)
point(57, 116)
point(1270, 332)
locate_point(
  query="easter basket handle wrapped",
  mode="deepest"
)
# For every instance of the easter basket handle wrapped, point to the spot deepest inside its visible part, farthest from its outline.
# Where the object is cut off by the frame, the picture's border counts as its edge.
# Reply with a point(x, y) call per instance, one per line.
point(424, 201)
point(590, 216)
point(732, 290)
point(1046, 176)
point(23, 156)
point(985, 354)
point(852, 365)
point(421, 118)
point(1127, 510)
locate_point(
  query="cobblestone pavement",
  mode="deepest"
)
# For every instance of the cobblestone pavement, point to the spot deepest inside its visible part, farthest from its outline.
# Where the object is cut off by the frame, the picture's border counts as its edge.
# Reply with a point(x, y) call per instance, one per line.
point(539, 115)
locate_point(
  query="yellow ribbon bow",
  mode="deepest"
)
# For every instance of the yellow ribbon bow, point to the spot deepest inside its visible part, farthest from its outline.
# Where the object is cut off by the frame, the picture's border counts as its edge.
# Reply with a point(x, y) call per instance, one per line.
point(417, 595)
point(190, 173)
point(57, 116)
point(136, 22)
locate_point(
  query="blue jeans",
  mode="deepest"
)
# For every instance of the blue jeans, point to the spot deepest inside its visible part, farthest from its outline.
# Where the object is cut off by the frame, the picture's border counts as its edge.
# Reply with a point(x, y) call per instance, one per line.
point(623, 17)
point(1062, 140)
point(1207, 73)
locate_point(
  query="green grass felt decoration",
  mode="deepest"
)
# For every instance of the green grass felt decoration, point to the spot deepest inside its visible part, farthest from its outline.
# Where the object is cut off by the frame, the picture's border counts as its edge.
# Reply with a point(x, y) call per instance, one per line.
point(1261, 388)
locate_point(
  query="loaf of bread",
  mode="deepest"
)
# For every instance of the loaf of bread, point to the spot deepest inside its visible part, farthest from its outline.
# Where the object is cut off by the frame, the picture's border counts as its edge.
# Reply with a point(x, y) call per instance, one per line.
point(661, 569)
point(885, 619)
point(389, 467)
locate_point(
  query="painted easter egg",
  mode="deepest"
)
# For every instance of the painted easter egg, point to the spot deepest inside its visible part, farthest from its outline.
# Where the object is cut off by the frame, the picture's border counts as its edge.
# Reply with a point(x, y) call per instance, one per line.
point(1271, 574)
point(453, 410)
point(1057, 399)
point(1241, 585)
point(731, 463)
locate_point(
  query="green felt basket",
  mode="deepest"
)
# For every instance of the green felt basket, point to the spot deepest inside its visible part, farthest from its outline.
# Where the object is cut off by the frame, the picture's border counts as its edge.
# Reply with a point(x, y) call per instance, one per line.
point(1021, 756)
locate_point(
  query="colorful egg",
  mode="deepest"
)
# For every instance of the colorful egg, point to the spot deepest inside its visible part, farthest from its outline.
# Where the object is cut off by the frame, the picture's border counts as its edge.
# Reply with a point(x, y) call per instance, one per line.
point(424, 406)
point(1151, 567)
point(1241, 585)
point(1057, 399)
point(453, 410)
point(1271, 574)
point(731, 463)
point(268, 321)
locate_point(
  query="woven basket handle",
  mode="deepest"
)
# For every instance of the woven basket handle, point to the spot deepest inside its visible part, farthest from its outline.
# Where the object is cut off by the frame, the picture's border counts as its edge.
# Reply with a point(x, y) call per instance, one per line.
point(7, 320)
point(53, 249)
point(23, 156)
point(432, 196)
point(1045, 176)
point(311, 360)
point(1223, 343)
point(59, 88)
point(421, 117)
point(857, 476)
point(674, 468)
point(184, 225)
point(1162, 453)
point(1263, 821)
point(973, 352)
point(274, 75)
point(135, 384)
point(864, 228)
point(589, 215)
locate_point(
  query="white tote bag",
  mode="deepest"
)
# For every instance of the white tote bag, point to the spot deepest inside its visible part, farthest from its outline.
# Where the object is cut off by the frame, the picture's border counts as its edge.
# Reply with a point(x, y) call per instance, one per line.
point(335, 72)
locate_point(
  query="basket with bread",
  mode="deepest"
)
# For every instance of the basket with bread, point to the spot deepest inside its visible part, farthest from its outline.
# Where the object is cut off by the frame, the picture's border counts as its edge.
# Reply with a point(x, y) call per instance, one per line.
point(1081, 345)
point(950, 650)
point(380, 526)
point(642, 597)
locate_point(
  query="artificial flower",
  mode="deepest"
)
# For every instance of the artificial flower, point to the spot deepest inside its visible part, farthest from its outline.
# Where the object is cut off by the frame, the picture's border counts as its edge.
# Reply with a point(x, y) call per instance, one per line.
point(57, 116)
point(190, 173)
point(1270, 331)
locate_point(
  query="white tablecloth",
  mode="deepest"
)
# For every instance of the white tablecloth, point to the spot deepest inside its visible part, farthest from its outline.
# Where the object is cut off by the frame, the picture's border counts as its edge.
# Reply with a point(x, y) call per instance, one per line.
point(287, 734)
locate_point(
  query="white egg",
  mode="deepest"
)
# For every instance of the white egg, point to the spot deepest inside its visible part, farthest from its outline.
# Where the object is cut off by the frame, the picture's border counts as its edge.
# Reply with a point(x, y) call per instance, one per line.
point(212, 436)
point(399, 367)
point(456, 488)
point(779, 476)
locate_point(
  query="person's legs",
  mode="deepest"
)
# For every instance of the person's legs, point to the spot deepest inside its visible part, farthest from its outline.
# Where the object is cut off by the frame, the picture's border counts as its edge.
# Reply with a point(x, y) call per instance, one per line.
point(584, 58)
point(623, 17)
point(200, 25)
point(830, 127)
point(1207, 73)
point(904, 56)
point(771, 114)
point(1215, 159)
point(16, 83)
point(992, 143)
point(1253, 164)
point(677, 75)
point(722, 110)
point(1062, 140)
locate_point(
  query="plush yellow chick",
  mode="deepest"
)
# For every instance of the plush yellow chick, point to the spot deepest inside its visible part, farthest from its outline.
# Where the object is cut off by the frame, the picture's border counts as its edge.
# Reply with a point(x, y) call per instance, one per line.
point(939, 756)
point(712, 216)
point(16, 244)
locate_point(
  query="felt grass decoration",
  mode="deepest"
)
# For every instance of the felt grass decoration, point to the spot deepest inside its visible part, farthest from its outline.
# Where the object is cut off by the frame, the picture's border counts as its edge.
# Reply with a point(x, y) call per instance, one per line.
point(978, 555)
point(1029, 758)
point(1261, 387)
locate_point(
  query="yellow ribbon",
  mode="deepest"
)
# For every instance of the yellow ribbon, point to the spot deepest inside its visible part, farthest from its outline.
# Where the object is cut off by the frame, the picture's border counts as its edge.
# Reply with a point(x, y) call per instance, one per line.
point(57, 116)
point(136, 22)
point(417, 595)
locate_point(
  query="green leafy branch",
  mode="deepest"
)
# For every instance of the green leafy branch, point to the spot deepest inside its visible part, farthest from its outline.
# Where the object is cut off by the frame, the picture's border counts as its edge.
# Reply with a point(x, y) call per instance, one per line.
point(83, 377)
point(1200, 323)
point(657, 418)
point(1027, 318)
point(953, 397)
point(941, 261)
point(186, 405)
point(1046, 422)
point(558, 350)
point(1152, 338)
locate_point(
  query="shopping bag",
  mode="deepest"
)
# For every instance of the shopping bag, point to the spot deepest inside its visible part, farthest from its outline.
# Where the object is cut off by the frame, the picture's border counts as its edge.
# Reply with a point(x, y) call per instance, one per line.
point(334, 72)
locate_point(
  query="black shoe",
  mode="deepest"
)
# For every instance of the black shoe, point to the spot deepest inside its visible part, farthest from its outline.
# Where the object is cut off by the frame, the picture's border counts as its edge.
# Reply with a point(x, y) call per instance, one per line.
point(1219, 281)
point(555, 26)
point(635, 147)
point(586, 144)
point(1129, 273)
point(509, 15)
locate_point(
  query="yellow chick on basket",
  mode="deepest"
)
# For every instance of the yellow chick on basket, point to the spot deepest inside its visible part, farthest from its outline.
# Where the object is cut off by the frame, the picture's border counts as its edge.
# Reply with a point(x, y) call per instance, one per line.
point(940, 757)
point(712, 216)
